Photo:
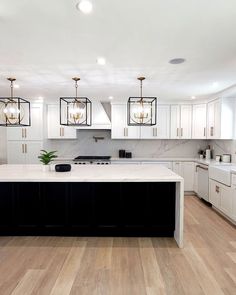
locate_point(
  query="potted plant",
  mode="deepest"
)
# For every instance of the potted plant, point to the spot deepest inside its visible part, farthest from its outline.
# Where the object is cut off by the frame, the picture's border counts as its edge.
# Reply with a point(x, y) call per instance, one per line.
point(46, 158)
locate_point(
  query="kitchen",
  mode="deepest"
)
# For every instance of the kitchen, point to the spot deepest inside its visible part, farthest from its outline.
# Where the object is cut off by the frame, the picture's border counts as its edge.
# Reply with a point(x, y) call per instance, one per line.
point(117, 166)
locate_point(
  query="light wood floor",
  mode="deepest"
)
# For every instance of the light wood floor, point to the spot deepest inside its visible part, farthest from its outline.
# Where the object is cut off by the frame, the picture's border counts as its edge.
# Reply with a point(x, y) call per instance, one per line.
point(130, 266)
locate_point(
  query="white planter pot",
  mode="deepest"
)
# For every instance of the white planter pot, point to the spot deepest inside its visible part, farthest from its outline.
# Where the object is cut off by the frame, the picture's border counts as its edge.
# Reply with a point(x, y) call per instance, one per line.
point(46, 168)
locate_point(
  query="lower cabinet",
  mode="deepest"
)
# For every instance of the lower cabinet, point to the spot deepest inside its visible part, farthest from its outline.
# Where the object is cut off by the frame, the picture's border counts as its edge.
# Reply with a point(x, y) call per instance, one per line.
point(186, 170)
point(87, 209)
point(221, 197)
point(23, 152)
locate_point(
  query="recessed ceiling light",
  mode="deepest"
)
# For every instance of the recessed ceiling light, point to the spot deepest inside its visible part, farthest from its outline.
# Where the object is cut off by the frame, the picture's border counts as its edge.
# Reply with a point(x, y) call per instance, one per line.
point(215, 84)
point(101, 61)
point(110, 97)
point(85, 6)
point(16, 86)
point(176, 61)
point(193, 97)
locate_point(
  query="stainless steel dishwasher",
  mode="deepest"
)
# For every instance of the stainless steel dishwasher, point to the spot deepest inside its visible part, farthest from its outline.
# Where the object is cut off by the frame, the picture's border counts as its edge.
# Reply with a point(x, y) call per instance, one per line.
point(203, 181)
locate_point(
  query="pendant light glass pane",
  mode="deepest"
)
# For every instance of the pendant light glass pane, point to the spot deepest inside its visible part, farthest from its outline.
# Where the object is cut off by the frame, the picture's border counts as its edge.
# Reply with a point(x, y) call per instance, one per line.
point(142, 111)
point(14, 111)
point(75, 111)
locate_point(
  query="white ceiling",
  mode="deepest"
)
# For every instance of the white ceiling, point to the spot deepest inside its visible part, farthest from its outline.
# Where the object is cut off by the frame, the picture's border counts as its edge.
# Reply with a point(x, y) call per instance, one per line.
point(45, 43)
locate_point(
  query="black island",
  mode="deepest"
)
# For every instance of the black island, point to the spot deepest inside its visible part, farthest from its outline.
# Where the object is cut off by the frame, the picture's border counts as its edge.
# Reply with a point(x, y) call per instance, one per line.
point(114, 200)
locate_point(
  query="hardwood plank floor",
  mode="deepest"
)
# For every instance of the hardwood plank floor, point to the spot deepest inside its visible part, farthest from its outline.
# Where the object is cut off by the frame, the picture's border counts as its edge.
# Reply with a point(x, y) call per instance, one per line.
point(125, 266)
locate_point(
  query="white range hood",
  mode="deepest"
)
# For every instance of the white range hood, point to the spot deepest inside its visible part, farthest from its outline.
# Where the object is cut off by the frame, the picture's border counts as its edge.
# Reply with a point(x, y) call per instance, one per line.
point(100, 119)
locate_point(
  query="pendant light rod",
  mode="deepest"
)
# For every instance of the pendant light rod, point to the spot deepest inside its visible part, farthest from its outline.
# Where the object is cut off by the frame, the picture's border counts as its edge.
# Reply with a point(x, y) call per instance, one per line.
point(76, 79)
point(141, 79)
point(12, 80)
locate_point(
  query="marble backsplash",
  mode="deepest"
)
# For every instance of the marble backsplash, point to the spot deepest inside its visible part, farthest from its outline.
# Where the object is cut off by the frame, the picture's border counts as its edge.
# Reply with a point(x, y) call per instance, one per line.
point(86, 145)
point(224, 147)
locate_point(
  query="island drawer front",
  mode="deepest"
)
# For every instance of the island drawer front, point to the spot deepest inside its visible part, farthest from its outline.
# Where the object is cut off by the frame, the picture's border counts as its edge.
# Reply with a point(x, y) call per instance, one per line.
point(113, 209)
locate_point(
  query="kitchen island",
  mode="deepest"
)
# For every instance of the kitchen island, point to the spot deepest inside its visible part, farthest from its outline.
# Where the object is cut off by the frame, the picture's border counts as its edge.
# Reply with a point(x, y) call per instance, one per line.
point(114, 200)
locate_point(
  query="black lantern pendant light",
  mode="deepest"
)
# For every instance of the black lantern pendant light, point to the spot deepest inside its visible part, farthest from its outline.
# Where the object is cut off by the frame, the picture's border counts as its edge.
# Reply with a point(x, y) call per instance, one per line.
point(75, 111)
point(142, 111)
point(14, 111)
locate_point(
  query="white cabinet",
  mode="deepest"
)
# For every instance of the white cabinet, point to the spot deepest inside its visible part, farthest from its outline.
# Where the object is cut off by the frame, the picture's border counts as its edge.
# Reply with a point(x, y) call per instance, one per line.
point(159, 163)
point(162, 129)
point(220, 118)
point(181, 121)
point(119, 127)
point(33, 132)
point(195, 179)
point(23, 152)
point(55, 130)
point(221, 196)
point(199, 121)
point(214, 193)
point(186, 170)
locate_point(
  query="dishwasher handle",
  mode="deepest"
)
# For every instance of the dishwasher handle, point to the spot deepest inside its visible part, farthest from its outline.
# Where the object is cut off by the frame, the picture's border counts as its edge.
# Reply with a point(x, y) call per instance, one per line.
point(201, 167)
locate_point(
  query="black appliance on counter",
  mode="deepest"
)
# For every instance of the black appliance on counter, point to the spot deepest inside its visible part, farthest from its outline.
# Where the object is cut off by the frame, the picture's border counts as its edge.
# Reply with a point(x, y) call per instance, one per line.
point(92, 160)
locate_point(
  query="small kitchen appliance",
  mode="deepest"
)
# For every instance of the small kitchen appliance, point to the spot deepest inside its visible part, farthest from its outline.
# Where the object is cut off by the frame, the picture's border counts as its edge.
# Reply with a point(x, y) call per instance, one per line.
point(92, 160)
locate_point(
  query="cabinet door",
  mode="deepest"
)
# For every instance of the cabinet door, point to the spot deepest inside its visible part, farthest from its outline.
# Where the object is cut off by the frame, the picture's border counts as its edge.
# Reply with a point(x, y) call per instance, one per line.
point(53, 204)
point(195, 184)
point(177, 168)
point(186, 122)
point(214, 119)
point(119, 128)
point(163, 122)
point(34, 132)
point(6, 205)
point(55, 130)
point(162, 129)
point(175, 122)
point(27, 205)
point(188, 175)
point(226, 200)
point(199, 121)
point(214, 193)
point(217, 119)
point(233, 215)
point(32, 151)
point(16, 152)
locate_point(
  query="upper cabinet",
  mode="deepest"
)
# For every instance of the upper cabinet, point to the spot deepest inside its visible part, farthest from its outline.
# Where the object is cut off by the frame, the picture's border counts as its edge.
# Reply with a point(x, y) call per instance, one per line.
point(119, 127)
point(220, 118)
point(181, 121)
point(33, 132)
point(55, 130)
point(162, 129)
point(199, 122)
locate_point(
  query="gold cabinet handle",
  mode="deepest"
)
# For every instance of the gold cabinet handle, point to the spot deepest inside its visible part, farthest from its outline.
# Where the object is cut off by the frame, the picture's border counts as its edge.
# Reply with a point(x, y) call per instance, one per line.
point(23, 150)
point(60, 131)
point(177, 132)
point(26, 148)
point(63, 131)
point(181, 132)
point(217, 189)
point(25, 133)
point(124, 132)
point(22, 132)
point(204, 132)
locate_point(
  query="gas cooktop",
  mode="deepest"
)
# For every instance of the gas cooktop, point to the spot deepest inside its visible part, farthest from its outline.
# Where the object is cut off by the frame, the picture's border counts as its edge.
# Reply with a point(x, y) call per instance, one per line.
point(95, 160)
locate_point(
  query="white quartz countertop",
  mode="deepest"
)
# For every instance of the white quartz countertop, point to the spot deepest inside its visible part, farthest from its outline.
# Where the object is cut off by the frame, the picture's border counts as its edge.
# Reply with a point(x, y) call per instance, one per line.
point(89, 173)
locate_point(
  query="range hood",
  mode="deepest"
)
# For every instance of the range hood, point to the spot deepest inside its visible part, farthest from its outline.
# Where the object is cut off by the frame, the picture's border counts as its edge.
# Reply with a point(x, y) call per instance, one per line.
point(100, 118)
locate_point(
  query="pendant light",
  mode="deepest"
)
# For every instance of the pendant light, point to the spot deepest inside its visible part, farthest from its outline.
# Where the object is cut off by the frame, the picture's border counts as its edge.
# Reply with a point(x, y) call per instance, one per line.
point(75, 111)
point(14, 111)
point(142, 111)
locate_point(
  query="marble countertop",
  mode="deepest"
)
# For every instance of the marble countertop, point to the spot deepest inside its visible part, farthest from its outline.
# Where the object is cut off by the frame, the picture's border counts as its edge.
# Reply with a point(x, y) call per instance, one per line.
point(196, 160)
point(89, 173)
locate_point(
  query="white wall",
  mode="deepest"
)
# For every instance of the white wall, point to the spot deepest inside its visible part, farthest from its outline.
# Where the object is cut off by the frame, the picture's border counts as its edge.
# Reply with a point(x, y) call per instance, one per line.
point(85, 145)
point(3, 147)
